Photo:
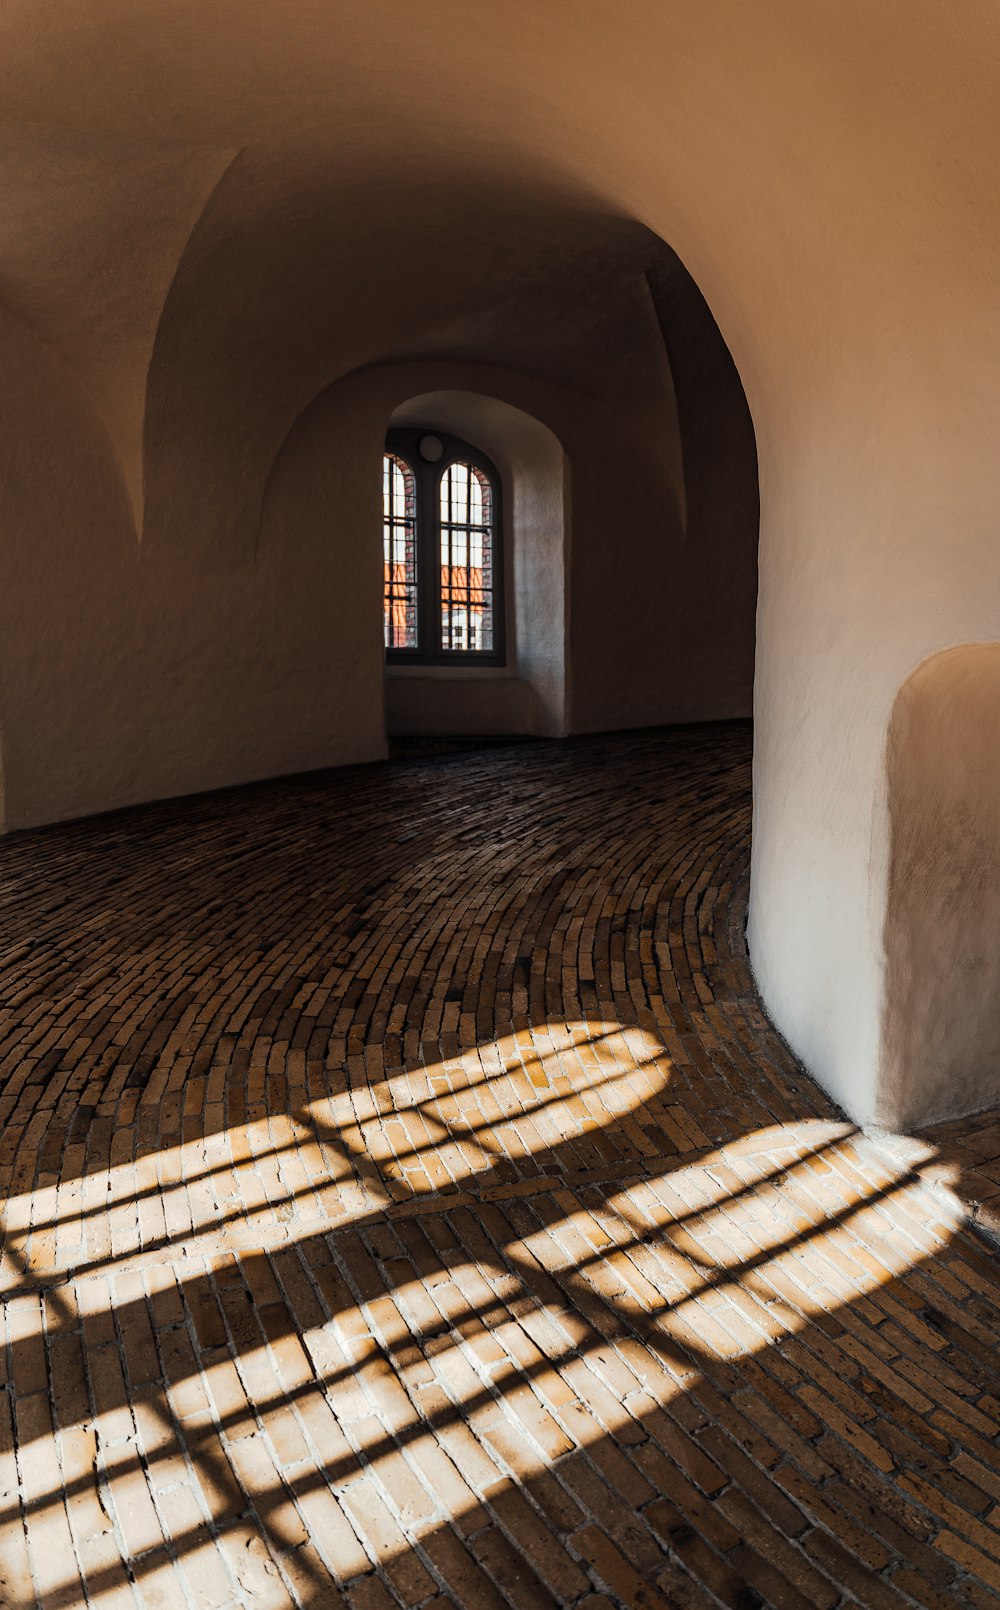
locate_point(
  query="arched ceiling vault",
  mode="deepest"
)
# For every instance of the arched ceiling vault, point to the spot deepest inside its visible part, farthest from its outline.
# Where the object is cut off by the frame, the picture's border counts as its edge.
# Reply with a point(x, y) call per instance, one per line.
point(273, 302)
point(92, 227)
point(413, 180)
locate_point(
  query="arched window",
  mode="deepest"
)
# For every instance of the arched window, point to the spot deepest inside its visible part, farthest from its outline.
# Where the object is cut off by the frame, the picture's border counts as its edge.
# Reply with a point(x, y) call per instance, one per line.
point(399, 536)
point(443, 599)
point(466, 514)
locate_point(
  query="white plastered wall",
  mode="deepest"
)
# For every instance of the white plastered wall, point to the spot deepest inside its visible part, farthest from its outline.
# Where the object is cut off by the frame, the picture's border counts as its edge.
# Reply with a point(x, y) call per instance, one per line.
point(827, 171)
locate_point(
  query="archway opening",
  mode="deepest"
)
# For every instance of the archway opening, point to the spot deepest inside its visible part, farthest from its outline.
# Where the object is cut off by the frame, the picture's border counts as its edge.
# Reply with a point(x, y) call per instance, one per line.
point(517, 687)
point(630, 531)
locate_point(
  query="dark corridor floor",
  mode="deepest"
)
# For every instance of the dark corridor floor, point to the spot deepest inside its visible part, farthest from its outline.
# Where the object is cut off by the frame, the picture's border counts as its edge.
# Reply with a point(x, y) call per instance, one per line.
point(407, 1203)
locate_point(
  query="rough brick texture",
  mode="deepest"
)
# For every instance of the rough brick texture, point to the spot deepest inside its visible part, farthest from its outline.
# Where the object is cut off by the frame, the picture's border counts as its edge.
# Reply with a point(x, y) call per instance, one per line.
point(408, 1204)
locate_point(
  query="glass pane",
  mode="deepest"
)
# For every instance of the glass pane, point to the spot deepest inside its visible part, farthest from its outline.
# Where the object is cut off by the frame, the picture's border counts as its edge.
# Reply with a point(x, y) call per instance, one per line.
point(475, 501)
point(466, 512)
point(399, 541)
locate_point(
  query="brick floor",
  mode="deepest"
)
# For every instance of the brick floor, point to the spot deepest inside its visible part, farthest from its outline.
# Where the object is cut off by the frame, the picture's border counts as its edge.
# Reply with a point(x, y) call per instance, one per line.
point(408, 1204)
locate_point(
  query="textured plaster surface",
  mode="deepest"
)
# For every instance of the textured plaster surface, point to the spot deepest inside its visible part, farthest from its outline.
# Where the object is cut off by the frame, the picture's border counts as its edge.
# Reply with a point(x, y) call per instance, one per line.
point(258, 203)
point(941, 1052)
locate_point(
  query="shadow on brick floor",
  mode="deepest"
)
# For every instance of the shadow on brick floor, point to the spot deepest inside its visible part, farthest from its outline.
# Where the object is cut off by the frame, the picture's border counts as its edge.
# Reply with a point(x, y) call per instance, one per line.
point(409, 1203)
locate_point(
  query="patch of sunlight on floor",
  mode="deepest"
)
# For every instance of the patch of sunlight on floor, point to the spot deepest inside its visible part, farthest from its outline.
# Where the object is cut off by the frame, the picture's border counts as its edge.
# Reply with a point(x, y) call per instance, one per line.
point(702, 1251)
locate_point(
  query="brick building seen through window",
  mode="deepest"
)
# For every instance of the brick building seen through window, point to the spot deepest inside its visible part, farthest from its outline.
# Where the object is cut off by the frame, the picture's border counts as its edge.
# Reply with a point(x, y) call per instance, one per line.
point(443, 574)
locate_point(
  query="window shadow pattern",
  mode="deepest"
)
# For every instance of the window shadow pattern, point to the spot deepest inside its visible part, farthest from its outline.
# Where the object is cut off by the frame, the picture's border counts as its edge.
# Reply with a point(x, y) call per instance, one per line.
point(408, 1203)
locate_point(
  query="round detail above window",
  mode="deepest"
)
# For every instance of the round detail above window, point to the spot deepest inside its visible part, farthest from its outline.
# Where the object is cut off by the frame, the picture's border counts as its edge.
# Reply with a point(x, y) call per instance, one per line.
point(430, 448)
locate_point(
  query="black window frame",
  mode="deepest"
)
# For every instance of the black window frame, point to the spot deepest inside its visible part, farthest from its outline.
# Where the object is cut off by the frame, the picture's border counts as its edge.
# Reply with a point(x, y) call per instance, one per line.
point(427, 476)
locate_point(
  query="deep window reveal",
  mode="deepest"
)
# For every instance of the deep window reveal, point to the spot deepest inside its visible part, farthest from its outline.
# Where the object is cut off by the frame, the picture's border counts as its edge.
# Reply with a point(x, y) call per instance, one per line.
point(443, 580)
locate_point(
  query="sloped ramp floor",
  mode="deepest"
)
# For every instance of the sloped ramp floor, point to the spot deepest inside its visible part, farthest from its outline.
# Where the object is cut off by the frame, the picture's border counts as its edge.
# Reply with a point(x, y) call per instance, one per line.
point(407, 1203)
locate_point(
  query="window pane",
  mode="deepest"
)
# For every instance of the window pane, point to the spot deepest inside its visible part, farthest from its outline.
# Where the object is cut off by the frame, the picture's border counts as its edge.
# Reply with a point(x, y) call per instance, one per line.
point(399, 538)
point(466, 507)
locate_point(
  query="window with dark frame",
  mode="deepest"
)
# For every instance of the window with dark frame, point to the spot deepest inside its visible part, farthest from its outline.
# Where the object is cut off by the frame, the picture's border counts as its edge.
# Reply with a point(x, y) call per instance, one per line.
point(399, 533)
point(443, 588)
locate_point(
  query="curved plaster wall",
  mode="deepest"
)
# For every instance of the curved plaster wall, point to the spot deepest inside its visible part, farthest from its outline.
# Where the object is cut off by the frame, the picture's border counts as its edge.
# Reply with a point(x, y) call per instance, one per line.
point(368, 184)
point(941, 1024)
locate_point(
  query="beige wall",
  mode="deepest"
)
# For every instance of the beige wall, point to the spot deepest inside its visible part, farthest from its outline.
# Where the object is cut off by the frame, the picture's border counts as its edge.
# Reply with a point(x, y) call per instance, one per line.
point(130, 670)
point(941, 1024)
point(213, 215)
point(623, 646)
point(136, 668)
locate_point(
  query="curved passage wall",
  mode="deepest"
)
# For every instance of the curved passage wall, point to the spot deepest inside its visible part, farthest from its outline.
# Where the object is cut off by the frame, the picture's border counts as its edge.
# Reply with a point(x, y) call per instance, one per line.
point(378, 186)
point(186, 661)
point(941, 1023)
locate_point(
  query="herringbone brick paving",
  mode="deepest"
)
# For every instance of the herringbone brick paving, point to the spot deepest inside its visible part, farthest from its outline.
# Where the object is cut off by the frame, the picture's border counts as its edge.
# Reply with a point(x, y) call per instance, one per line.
point(408, 1203)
